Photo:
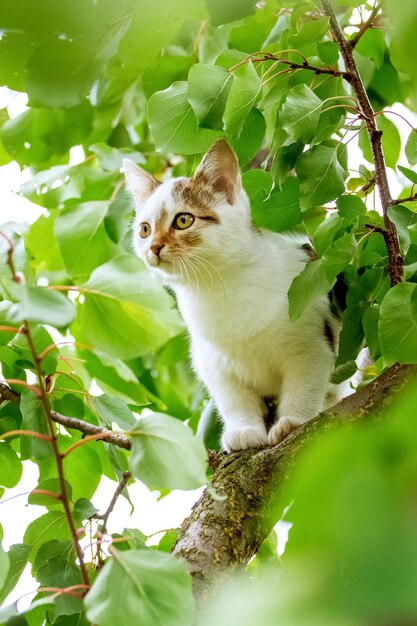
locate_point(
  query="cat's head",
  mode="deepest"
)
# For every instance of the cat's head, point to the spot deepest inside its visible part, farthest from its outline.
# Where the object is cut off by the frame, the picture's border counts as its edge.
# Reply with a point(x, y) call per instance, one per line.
point(185, 226)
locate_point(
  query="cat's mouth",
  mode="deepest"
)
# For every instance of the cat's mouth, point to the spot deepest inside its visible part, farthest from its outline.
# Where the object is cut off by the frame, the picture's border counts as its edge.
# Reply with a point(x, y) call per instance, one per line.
point(159, 262)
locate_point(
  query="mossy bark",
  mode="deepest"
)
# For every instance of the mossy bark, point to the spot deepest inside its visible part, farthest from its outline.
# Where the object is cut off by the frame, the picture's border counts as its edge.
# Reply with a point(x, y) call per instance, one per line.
point(224, 532)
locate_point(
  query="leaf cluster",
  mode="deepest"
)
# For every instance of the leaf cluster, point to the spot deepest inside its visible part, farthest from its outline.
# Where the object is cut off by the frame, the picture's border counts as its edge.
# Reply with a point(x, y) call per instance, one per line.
point(157, 83)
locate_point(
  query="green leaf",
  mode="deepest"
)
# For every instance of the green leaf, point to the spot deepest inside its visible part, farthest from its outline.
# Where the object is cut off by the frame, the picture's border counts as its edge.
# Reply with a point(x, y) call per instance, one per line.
point(38, 304)
point(4, 567)
point(328, 52)
point(352, 334)
point(322, 178)
point(343, 372)
point(242, 97)
point(173, 122)
point(91, 247)
point(411, 147)
point(300, 113)
point(35, 613)
point(44, 258)
point(18, 557)
point(318, 277)
point(60, 74)
point(116, 376)
point(403, 219)
point(230, 11)
point(126, 312)
point(59, 572)
point(41, 340)
point(142, 42)
point(39, 135)
point(210, 427)
point(33, 419)
point(251, 137)
point(372, 45)
point(391, 142)
point(164, 71)
point(83, 509)
point(83, 468)
point(11, 466)
point(51, 525)
point(156, 591)
point(111, 409)
point(281, 209)
point(410, 174)
point(161, 443)
point(308, 35)
point(284, 161)
point(351, 207)
point(398, 324)
point(208, 89)
point(54, 486)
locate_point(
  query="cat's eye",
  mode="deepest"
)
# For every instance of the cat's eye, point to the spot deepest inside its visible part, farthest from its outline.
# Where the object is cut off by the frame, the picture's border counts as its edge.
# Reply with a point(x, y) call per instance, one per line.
point(183, 221)
point(144, 230)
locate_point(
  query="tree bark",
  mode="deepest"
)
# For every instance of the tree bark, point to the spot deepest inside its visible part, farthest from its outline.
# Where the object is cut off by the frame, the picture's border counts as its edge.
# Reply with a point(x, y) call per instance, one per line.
point(221, 535)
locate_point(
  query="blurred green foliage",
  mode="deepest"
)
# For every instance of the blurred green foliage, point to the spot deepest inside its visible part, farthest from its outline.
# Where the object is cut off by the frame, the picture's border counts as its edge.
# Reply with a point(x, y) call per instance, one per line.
point(158, 82)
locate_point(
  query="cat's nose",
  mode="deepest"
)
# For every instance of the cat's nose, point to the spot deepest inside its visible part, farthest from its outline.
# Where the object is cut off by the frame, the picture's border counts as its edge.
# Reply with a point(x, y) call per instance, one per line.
point(157, 247)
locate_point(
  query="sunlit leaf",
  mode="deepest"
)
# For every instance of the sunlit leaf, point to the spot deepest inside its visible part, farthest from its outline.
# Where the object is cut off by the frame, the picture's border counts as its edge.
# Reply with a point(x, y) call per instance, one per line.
point(156, 590)
point(160, 443)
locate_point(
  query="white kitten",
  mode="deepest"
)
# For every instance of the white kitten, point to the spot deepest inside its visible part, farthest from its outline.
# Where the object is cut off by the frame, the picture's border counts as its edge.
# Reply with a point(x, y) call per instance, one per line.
point(231, 280)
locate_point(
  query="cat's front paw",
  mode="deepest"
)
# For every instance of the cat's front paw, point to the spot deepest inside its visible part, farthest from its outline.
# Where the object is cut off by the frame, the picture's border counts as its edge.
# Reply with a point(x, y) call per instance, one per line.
point(243, 438)
point(282, 429)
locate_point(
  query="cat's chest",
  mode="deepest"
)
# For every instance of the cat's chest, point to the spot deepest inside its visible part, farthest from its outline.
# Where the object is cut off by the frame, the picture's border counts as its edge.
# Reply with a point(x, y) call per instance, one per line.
point(222, 316)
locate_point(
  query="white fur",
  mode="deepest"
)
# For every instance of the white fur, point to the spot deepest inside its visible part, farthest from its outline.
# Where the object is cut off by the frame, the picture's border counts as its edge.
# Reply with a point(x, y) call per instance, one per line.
point(233, 297)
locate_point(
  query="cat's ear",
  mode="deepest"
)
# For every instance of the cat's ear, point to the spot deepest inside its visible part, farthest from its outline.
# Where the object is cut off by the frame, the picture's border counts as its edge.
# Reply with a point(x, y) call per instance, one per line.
point(141, 183)
point(220, 170)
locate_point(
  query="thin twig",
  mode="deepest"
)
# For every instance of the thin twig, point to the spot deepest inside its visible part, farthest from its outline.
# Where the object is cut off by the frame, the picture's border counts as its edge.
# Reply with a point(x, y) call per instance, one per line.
point(126, 476)
point(267, 56)
point(365, 25)
point(412, 198)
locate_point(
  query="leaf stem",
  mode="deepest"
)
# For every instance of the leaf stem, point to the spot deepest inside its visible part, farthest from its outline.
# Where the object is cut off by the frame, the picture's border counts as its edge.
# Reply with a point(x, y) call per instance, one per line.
point(81, 442)
point(19, 431)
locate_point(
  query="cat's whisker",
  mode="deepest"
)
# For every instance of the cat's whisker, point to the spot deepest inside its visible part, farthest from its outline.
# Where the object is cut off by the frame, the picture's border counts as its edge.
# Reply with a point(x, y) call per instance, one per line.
point(200, 260)
point(209, 263)
point(195, 269)
point(190, 265)
point(181, 261)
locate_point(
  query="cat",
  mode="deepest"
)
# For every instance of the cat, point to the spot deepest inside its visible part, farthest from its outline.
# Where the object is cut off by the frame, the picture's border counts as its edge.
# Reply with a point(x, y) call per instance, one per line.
point(231, 280)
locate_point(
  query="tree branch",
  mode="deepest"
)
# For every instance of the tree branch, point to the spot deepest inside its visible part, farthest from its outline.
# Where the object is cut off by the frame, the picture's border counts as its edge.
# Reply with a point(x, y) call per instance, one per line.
point(365, 26)
point(412, 198)
point(117, 439)
point(220, 536)
point(396, 261)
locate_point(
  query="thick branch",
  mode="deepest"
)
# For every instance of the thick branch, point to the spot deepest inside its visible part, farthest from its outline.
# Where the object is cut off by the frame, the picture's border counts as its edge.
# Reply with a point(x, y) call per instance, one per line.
point(220, 536)
point(396, 262)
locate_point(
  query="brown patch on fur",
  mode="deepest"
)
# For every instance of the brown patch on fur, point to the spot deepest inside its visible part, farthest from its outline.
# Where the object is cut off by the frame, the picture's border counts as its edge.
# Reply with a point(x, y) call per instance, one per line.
point(196, 196)
point(159, 223)
point(310, 252)
point(328, 333)
point(191, 237)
